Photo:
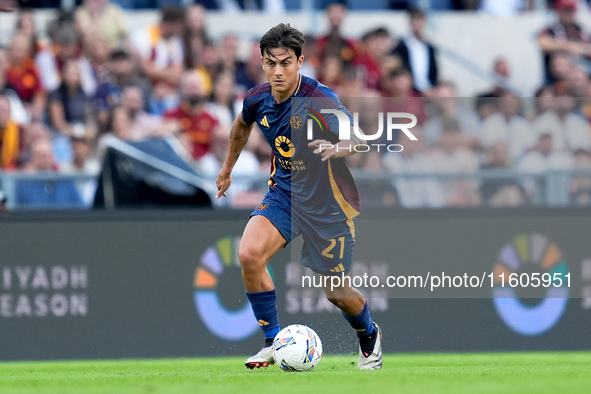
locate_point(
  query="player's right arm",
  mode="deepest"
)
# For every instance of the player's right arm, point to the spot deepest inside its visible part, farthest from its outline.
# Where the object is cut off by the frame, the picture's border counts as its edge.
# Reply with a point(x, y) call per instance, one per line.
point(238, 138)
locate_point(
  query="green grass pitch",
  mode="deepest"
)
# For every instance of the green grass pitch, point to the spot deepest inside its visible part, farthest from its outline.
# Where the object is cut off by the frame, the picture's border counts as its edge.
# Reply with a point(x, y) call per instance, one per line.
point(407, 373)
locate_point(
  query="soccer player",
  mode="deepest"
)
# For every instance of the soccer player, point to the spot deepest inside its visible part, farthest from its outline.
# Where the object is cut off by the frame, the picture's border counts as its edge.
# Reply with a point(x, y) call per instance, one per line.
point(311, 193)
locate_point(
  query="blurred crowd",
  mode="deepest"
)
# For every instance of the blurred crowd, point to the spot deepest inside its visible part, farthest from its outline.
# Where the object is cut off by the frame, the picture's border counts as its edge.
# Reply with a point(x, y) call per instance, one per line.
point(89, 80)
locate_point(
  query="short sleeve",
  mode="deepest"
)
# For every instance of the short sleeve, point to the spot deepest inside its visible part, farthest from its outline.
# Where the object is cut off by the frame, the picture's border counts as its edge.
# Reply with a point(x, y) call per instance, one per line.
point(326, 98)
point(248, 114)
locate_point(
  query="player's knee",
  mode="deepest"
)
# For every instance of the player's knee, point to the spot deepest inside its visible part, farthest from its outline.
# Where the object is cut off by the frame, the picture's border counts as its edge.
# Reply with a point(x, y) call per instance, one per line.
point(250, 258)
point(337, 301)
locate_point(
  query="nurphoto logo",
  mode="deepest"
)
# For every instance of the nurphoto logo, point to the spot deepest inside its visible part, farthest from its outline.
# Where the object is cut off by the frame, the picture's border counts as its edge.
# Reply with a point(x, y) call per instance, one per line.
point(345, 130)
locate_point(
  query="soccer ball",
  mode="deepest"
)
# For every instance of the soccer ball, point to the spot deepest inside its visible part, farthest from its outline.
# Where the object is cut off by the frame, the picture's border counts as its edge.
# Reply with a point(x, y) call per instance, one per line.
point(297, 348)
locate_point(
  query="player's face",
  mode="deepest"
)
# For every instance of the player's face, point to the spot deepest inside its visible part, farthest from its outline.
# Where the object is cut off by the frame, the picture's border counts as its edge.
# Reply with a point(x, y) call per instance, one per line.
point(281, 69)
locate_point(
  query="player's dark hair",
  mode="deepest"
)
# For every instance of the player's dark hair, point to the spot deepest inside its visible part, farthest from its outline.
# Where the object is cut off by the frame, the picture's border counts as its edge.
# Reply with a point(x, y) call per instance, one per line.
point(172, 14)
point(118, 54)
point(282, 36)
point(415, 12)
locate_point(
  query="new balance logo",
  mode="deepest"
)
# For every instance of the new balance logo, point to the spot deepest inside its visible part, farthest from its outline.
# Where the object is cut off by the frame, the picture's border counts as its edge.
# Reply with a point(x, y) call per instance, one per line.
point(338, 268)
point(263, 323)
point(265, 122)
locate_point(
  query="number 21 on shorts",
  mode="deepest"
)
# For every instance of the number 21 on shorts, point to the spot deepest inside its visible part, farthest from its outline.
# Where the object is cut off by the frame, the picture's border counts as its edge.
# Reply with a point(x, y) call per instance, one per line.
point(333, 242)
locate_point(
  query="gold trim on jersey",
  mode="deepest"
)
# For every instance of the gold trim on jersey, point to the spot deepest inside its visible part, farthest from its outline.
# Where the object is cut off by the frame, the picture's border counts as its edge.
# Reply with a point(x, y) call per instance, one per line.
point(299, 84)
point(349, 211)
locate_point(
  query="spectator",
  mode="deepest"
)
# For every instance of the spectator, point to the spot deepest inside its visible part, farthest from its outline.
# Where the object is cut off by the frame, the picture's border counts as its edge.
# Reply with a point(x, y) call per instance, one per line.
point(224, 106)
point(417, 54)
point(22, 75)
point(143, 125)
point(580, 185)
point(544, 101)
point(83, 163)
point(230, 62)
point(97, 51)
point(578, 83)
point(564, 35)
point(51, 194)
point(375, 49)
point(330, 71)
point(501, 192)
point(447, 105)
point(119, 126)
point(508, 126)
point(414, 192)
point(17, 110)
point(312, 56)
point(66, 46)
point(569, 131)
point(334, 43)
point(403, 97)
point(501, 76)
point(561, 66)
point(32, 132)
point(452, 157)
point(545, 157)
point(211, 163)
point(121, 72)
point(11, 137)
point(194, 35)
point(26, 25)
point(160, 48)
point(101, 18)
point(69, 104)
point(254, 71)
point(196, 125)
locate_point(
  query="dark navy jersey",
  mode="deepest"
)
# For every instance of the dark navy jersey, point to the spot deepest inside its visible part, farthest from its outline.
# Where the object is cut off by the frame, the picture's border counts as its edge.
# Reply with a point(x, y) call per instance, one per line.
point(323, 191)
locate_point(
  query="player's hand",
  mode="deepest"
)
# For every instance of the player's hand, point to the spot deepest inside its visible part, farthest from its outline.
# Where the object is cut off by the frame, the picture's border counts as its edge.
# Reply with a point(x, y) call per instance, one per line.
point(328, 150)
point(223, 181)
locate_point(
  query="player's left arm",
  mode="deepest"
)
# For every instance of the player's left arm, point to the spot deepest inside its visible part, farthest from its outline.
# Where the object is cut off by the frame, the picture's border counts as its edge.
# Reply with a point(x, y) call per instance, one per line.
point(341, 149)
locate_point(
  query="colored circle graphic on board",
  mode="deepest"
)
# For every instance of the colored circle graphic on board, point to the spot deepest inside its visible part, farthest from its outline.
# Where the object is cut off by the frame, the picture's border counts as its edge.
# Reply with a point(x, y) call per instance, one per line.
point(227, 324)
point(546, 257)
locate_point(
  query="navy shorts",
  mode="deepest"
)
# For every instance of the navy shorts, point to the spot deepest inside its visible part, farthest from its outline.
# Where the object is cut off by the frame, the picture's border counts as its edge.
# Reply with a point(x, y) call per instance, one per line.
point(328, 247)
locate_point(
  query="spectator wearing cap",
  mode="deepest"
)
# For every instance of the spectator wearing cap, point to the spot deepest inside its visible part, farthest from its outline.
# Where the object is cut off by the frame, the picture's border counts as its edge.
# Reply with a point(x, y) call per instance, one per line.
point(22, 74)
point(564, 35)
point(196, 126)
point(417, 54)
point(160, 49)
point(334, 43)
point(103, 19)
point(11, 137)
point(121, 72)
point(66, 45)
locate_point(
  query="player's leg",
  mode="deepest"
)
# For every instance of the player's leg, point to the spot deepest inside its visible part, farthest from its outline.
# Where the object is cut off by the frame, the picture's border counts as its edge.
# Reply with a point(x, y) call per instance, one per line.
point(261, 241)
point(334, 257)
point(356, 311)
